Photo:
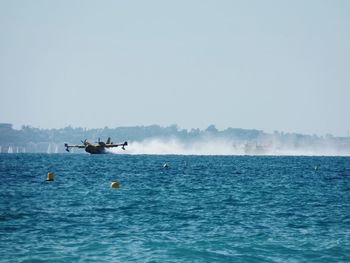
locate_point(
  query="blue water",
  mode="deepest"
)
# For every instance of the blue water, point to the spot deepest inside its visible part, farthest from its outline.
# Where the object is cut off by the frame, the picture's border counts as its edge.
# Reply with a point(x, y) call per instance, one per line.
point(200, 209)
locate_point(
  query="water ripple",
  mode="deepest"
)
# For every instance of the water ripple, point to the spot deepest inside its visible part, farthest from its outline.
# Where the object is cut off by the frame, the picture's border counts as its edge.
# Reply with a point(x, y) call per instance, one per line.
point(200, 209)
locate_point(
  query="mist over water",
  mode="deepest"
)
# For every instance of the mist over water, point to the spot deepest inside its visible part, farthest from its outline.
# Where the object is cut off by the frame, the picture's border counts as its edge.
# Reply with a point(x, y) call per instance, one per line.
point(175, 146)
point(220, 146)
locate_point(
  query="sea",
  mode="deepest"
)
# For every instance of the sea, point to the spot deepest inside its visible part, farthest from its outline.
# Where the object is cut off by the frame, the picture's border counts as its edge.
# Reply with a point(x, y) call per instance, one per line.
point(174, 208)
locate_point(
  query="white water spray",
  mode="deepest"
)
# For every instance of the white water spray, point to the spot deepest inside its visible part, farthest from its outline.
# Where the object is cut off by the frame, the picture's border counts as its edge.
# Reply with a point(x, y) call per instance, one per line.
point(216, 146)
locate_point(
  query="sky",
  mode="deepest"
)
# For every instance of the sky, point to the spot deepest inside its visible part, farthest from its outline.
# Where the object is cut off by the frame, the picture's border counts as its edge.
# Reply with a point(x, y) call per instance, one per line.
point(267, 65)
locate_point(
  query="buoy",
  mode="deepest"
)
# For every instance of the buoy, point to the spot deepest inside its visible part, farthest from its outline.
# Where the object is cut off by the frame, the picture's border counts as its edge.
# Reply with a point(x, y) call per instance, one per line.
point(49, 176)
point(115, 185)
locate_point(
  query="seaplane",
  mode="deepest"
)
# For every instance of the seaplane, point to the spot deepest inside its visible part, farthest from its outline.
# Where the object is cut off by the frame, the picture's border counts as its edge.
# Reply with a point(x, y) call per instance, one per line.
point(98, 148)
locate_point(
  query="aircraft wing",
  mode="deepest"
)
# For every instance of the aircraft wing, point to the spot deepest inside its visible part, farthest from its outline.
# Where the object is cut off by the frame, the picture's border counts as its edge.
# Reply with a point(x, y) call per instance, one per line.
point(112, 145)
point(73, 146)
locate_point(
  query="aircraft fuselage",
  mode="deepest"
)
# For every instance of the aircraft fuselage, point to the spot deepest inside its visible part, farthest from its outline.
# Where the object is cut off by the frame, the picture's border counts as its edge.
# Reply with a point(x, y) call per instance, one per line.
point(95, 149)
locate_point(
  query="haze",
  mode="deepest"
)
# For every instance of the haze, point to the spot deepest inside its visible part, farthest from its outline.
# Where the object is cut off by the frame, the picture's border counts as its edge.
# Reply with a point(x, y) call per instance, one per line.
point(268, 65)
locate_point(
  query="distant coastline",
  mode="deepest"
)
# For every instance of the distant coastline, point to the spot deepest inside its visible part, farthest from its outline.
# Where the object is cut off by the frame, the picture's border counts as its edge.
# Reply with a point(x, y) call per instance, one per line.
point(172, 140)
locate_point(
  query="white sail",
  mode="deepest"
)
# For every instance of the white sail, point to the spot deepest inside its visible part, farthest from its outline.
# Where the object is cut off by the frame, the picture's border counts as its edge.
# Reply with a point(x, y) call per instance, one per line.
point(10, 150)
point(49, 150)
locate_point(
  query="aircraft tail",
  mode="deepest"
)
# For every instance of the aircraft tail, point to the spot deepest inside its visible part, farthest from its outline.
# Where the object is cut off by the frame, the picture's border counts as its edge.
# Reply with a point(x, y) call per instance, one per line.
point(109, 140)
point(124, 144)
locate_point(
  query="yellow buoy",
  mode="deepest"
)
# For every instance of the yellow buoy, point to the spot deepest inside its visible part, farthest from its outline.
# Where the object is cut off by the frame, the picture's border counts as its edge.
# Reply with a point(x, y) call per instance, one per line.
point(50, 176)
point(115, 185)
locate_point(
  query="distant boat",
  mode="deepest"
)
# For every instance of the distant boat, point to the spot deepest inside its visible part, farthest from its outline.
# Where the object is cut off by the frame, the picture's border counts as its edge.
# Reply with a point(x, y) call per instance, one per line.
point(48, 149)
point(10, 150)
point(52, 148)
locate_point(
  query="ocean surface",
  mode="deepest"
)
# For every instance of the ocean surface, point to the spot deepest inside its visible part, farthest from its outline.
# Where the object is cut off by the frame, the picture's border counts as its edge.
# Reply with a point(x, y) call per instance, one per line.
point(199, 209)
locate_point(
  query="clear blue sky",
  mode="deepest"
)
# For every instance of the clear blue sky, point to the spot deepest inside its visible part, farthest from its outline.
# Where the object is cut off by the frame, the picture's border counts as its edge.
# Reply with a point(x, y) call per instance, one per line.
point(269, 65)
